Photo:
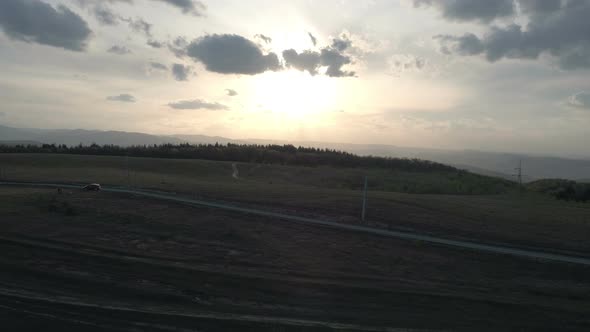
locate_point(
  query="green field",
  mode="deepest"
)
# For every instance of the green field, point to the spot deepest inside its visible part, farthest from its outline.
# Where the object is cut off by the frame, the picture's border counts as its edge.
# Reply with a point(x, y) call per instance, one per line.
point(526, 219)
point(112, 168)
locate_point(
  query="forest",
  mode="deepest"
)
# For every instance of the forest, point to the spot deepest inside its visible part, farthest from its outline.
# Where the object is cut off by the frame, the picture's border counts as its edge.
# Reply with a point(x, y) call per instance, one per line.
point(251, 153)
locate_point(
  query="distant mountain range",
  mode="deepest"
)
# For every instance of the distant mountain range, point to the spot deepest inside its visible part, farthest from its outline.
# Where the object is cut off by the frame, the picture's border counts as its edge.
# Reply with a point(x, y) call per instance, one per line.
point(77, 136)
point(487, 163)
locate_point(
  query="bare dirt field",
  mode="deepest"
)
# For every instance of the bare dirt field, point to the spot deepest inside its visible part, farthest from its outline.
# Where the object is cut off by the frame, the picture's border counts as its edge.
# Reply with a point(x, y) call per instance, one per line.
point(97, 261)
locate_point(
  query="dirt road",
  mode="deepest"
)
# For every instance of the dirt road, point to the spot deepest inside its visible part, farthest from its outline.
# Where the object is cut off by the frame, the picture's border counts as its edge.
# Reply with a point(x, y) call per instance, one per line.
point(542, 255)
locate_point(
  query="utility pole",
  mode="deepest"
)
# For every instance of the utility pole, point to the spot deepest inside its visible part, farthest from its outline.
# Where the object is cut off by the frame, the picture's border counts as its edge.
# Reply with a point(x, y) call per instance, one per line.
point(519, 174)
point(364, 200)
point(127, 169)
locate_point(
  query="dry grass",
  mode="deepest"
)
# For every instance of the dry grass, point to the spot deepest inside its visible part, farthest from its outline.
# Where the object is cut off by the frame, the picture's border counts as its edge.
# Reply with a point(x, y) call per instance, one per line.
point(242, 264)
point(526, 220)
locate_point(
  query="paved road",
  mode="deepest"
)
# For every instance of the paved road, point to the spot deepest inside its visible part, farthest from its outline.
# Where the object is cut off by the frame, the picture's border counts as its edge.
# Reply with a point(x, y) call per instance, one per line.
point(531, 254)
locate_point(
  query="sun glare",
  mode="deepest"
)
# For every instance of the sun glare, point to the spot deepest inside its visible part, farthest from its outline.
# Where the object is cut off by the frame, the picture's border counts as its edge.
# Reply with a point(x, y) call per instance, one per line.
point(295, 95)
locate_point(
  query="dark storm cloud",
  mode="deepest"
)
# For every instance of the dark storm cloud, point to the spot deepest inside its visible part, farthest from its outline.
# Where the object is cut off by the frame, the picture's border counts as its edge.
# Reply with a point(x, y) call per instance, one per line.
point(36, 21)
point(471, 10)
point(158, 66)
point(580, 100)
point(563, 33)
point(314, 40)
point(181, 72)
point(264, 38)
point(197, 104)
point(231, 93)
point(125, 98)
point(231, 54)
point(331, 57)
point(193, 7)
point(120, 50)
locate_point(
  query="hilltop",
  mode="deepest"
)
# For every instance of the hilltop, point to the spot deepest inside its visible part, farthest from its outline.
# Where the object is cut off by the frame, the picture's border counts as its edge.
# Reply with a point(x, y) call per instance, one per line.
point(486, 163)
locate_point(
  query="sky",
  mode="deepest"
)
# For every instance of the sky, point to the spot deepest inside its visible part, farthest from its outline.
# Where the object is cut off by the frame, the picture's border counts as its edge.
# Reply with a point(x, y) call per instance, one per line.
point(493, 75)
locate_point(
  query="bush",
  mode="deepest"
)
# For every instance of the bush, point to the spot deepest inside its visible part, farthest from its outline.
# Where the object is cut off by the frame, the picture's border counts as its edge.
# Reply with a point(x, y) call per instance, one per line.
point(566, 190)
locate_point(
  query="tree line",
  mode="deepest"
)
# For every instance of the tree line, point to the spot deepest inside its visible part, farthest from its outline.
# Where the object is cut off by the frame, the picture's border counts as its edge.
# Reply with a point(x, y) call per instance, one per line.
point(566, 190)
point(252, 153)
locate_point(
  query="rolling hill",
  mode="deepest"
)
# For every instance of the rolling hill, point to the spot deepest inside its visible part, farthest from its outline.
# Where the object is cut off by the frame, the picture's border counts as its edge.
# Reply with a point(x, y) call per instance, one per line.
point(486, 163)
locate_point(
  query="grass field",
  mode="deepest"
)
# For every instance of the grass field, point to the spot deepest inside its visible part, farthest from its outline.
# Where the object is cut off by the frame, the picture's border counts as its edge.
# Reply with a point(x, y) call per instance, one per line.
point(80, 261)
point(518, 219)
point(111, 167)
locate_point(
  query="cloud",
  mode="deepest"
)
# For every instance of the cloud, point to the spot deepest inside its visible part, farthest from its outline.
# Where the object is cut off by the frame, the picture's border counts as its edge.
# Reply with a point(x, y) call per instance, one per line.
point(539, 6)
point(36, 21)
point(158, 66)
point(314, 40)
point(139, 25)
point(308, 60)
point(264, 38)
point(105, 15)
point(231, 93)
point(181, 72)
point(399, 64)
point(85, 3)
point(341, 43)
point(334, 60)
point(155, 43)
point(178, 46)
point(471, 10)
point(231, 54)
point(330, 57)
point(580, 100)
point(193, 7)
point(119, 50)
point(468, 44)
point(125, 98)
point(197, 104)
point(561, 33)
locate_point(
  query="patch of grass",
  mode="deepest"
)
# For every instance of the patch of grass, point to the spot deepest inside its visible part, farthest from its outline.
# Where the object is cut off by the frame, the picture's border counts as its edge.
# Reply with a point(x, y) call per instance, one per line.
point(56, 204)
point(521, 218)
point(162, 173)
point(567, 190)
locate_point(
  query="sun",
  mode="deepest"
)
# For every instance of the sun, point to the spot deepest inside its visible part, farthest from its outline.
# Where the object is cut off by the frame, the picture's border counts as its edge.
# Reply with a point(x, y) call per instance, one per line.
point(295, 95)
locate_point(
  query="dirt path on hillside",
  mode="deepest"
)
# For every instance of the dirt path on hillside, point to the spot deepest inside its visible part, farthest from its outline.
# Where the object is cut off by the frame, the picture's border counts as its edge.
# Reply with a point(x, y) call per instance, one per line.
point(235, 173)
